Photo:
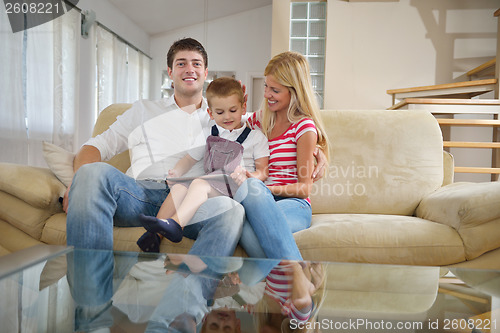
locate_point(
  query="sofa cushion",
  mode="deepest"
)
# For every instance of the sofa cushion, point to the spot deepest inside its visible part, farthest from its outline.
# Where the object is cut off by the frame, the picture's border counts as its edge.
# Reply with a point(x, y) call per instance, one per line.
point(124, 239)
point(23, 216)
point(36, 186)
point(382, 239)
point(106, 118)
point(379, 290)
point(54, 232)
point(379, 171)
point(60, 162)
point(480, 239)
point(12, 239)
point(3, 251)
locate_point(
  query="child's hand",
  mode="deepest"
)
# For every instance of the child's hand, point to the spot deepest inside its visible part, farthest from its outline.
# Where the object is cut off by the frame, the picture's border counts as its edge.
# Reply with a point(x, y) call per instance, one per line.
point(240, 174)
point(173, 173)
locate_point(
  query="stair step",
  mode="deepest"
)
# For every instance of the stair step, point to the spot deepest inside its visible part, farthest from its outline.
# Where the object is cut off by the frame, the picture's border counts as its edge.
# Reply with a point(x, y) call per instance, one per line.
point(446, 101)
point(468, 122)
point(465, 89)
point(469, 144)
point(477, 170)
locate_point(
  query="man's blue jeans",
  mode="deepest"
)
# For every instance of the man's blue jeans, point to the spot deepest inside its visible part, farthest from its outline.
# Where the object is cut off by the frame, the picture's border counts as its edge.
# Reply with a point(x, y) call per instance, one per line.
point(101, 197)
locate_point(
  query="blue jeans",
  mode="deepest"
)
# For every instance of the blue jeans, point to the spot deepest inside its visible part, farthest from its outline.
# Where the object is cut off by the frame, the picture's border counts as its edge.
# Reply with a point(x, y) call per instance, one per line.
point(93, 277)
point(271, 221)
point(101, 197)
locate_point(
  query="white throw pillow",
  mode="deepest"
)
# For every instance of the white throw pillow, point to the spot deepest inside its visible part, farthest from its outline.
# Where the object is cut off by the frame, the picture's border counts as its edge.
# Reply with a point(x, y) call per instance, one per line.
point(60, 162)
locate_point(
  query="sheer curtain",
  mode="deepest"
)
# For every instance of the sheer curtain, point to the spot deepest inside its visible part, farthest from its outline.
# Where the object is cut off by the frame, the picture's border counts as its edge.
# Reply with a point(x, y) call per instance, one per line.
point(13, 133)
point(123, 72)
point(38, 88)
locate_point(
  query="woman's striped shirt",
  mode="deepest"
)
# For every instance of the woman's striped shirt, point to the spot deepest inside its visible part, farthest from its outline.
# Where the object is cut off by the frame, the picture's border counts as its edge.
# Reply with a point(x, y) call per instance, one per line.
point(283, 150)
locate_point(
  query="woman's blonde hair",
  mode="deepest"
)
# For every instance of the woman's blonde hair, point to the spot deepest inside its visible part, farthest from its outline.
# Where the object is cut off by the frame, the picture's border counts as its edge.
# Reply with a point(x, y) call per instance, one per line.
point(291, 70)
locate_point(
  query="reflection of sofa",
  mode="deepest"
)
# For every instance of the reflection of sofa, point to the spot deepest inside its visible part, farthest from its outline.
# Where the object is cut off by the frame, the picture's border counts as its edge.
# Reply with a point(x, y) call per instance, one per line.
point(382, 200)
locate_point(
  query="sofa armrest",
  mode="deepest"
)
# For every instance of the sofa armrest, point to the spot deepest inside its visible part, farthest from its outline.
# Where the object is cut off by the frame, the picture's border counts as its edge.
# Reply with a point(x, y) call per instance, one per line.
point(462, 204)
point(38, 187)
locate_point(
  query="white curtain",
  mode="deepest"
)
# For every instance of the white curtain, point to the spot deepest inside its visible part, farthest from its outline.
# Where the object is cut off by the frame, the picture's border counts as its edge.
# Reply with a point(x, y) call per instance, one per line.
point(13, 134)
point(38, 88)
point(123, 72)
point(144, 66)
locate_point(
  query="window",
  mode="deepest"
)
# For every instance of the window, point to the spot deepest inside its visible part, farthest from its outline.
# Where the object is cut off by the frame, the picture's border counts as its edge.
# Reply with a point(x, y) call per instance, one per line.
point(37, 92)
point(122, 71)
point(308, 37)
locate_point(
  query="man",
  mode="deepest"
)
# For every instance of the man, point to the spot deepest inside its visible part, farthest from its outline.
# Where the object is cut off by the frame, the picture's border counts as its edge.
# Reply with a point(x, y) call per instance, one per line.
point(101, 196)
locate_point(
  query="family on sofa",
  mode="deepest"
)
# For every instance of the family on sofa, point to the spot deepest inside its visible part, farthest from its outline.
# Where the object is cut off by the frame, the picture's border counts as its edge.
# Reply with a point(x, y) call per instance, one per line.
point(101, 196)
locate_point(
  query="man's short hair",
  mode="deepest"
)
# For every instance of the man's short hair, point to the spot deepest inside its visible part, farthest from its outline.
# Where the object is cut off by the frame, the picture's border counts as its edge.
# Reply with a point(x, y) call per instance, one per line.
point(224, 87)
point(186, 44)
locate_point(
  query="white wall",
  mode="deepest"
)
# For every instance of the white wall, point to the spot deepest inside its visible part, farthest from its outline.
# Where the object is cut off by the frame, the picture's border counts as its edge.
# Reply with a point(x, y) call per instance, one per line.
point(376, 46)
point(112, 18)
point(240, 43)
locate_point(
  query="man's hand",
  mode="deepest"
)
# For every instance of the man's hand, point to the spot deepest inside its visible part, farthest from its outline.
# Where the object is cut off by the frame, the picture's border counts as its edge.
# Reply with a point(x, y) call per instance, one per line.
point(65, 200)
point(319, 170)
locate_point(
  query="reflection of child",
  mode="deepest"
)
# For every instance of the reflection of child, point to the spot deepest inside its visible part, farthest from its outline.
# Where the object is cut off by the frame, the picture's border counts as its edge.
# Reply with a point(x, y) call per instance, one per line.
point(226, 105)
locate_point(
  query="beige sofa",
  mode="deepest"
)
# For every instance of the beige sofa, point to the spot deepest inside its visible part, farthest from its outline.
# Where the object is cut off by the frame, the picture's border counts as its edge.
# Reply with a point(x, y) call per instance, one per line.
point(387, 197)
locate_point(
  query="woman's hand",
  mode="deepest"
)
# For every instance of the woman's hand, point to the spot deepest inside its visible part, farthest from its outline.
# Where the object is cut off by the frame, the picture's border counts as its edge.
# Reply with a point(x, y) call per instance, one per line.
point(319, 169)
point(240, 174)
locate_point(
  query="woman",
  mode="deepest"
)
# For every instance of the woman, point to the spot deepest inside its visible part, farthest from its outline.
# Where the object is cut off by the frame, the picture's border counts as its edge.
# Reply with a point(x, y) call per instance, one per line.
point(290, 119)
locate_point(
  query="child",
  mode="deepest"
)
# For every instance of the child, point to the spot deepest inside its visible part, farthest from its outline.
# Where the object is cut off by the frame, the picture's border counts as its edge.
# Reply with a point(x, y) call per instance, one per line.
point(230, 145)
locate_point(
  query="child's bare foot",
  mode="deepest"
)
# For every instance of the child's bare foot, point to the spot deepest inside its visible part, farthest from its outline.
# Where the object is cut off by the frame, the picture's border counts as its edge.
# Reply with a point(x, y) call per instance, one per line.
point(168, 228)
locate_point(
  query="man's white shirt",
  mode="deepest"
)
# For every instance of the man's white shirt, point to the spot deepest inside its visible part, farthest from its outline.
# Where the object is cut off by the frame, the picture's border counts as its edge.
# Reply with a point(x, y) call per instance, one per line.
point(158, 134)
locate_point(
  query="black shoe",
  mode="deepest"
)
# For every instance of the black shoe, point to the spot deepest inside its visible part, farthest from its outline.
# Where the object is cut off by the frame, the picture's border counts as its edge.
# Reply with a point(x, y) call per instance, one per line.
point(149, 242)
point(169, 228)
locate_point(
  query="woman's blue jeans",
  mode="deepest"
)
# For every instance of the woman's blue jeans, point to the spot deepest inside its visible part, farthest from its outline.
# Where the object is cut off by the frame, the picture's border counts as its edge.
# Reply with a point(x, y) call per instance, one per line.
point(271, 221)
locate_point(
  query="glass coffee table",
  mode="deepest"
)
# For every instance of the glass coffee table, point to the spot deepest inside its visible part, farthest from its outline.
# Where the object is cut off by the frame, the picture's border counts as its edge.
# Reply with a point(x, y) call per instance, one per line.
point(60, 289)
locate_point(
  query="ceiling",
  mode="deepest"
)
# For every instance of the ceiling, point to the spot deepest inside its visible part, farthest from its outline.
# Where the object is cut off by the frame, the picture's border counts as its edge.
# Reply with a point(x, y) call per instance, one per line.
point(157, 16)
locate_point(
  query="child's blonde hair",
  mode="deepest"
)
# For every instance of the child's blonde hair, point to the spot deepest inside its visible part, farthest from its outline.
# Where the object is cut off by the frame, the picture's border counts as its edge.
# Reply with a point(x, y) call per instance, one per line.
point(224, 87)
point(291, 70)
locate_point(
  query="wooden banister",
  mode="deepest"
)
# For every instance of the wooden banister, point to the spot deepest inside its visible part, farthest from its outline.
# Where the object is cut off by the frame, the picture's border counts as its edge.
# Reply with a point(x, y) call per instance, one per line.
point(469, 144)
point(468, 122)
point(444, 86)
point(478, 69)
point(493, 171)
